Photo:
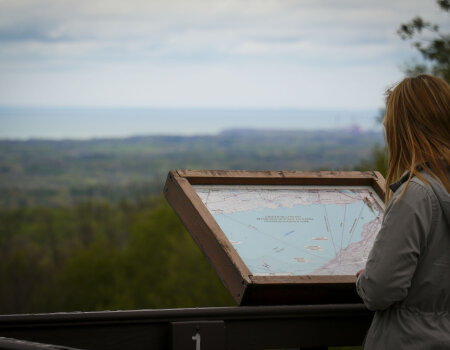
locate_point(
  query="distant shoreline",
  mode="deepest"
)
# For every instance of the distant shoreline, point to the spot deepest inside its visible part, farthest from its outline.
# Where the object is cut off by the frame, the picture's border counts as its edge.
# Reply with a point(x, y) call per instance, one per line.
point(355, 129)
point(76, 123)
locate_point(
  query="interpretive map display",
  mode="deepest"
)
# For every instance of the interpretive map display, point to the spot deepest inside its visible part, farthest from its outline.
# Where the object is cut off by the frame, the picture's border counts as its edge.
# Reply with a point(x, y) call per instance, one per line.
point(297, 230)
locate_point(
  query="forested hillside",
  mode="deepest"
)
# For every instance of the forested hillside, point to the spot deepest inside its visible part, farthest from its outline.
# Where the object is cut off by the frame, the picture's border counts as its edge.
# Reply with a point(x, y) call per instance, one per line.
point(83, 225)
point(54, 173)
point(98, 256)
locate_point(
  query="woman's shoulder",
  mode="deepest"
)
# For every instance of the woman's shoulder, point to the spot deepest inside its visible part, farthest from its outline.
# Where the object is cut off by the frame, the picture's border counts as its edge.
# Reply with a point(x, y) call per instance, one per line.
point(420, 187)
point(418, 197)
point(429, 186)
point(416, 190)
point(423, 195)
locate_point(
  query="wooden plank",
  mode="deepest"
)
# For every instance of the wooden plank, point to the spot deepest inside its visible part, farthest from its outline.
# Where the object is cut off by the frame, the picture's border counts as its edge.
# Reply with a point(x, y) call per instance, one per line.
point(219, 235)
point(17, 344)
point(300, 294)
point(207, 234)
point(191, 174)
point(379, 185)
point(306, 279)
point(263, 327)
point(301, 290)
point(241, 177)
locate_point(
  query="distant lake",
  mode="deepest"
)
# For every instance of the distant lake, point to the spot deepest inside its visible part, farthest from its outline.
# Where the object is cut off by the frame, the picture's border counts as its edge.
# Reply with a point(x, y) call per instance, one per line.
point(83, 123)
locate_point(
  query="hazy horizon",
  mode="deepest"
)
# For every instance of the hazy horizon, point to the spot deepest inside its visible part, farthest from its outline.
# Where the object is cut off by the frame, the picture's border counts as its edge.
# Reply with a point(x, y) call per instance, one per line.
point(21, 123)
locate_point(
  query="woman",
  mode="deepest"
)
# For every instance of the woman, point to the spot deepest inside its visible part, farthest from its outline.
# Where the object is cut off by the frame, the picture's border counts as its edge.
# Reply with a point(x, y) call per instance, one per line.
point(407, 276)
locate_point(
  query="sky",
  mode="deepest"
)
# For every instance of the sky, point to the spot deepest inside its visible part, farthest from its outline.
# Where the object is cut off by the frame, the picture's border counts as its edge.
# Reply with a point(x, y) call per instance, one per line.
point(315, 54)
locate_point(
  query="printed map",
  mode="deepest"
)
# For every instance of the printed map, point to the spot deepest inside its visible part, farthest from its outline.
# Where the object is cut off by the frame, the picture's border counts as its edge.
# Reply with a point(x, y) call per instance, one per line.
point(297, 230)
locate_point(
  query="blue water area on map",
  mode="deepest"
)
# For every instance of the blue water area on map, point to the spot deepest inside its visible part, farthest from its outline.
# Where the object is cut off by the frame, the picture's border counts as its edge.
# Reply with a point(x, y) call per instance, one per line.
point(295, 240)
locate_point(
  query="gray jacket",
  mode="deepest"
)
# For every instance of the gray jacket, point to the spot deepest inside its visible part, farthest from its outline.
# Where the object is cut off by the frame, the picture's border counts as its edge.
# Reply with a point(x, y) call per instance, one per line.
point(407, 275)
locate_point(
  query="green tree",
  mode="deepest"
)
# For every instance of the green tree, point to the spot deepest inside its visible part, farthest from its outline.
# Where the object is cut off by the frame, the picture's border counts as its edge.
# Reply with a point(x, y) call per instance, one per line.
point(99, 255)
point(435, 50)
point(436, 55)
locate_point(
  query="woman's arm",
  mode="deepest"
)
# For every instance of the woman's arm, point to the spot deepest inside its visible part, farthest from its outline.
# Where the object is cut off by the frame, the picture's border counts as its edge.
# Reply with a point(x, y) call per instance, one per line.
point(397, 249)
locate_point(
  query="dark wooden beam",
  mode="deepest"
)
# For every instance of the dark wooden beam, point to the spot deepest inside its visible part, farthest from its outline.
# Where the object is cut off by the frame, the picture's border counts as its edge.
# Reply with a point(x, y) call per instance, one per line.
point(258, 327)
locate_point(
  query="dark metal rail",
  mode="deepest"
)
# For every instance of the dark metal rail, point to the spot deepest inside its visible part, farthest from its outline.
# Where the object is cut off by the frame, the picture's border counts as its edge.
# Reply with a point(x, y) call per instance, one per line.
point(218, 328)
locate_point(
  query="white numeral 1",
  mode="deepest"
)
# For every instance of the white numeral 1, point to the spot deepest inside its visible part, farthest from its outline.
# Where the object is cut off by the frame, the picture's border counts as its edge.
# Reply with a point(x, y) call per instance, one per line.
point(197, 341)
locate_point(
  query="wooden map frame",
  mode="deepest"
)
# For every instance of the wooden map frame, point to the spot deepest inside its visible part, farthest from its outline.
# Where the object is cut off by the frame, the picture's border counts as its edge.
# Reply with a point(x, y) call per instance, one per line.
point(245, 288)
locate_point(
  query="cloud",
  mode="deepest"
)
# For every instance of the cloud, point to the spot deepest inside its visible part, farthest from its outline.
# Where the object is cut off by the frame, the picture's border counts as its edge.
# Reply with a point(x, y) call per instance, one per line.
point(179, 50)
point(220, 24)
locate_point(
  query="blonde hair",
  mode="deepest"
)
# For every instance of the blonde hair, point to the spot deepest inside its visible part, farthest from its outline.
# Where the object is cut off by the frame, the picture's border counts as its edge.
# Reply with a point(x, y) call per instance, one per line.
point(417, 126)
